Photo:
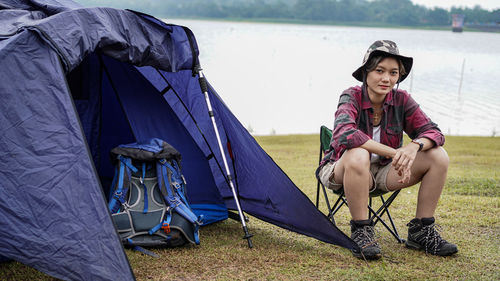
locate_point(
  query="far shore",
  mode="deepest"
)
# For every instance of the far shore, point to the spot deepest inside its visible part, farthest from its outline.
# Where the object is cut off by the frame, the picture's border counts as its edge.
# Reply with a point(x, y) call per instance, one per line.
point(475, 28)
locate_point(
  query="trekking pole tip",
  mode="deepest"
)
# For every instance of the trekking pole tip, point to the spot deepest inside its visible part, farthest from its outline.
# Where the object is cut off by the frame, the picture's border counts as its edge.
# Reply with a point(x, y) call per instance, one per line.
point(250, 243)
point(248, 236)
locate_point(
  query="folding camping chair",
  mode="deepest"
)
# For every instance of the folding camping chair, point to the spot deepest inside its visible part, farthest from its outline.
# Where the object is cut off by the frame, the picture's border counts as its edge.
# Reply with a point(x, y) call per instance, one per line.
point(325, 137)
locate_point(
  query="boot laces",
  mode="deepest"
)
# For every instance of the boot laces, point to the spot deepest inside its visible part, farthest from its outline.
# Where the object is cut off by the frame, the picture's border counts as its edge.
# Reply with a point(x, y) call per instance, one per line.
point(365, 237)
point(433, 239)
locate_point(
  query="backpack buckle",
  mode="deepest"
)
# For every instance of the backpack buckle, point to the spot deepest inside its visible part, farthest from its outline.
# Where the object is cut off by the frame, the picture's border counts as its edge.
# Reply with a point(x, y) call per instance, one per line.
point(166, 227)
point(175, 201)
point(117, 195)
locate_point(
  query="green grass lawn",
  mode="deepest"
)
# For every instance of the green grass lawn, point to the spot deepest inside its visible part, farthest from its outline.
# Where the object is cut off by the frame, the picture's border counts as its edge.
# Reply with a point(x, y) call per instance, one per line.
point(469, 213)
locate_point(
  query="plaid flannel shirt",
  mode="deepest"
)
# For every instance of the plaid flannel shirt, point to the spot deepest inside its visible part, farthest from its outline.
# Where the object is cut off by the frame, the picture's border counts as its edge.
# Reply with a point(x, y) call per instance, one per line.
point(353, 127)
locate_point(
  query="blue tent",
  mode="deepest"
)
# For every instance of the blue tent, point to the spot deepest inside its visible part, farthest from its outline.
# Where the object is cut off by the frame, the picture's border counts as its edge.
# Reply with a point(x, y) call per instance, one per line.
point(76, 82)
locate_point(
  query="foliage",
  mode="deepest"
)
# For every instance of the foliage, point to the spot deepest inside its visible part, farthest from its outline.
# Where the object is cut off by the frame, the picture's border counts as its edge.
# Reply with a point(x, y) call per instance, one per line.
point(395, 12)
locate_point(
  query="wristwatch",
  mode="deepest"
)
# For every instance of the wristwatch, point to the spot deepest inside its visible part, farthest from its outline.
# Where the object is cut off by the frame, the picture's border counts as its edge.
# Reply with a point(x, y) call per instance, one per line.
point(419, 142)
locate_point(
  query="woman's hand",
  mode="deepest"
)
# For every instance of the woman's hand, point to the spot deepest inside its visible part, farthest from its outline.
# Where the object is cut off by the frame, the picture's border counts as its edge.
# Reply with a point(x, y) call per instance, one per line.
point(403, 161)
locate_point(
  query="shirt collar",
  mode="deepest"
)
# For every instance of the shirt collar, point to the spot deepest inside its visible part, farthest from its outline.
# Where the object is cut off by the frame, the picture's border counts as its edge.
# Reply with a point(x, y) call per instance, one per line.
point(366, 103)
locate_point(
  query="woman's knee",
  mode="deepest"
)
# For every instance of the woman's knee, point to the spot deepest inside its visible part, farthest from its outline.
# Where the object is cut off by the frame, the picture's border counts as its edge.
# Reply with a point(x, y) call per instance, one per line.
point(357, 159)
point(438, 157)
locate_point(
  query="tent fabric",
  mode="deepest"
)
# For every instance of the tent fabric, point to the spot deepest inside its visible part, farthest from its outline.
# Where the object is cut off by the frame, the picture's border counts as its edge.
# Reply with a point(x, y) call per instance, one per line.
point(84, 80)
point(267, 192)
point(76, 33)
point(53, 216)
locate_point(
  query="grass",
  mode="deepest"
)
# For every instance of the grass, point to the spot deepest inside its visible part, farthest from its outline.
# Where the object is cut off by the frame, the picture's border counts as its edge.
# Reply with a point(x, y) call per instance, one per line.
point(468, 213)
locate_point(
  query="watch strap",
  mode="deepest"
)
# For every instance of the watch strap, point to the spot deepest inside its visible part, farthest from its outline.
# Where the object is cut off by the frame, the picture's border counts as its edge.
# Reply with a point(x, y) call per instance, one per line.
point(420, 144)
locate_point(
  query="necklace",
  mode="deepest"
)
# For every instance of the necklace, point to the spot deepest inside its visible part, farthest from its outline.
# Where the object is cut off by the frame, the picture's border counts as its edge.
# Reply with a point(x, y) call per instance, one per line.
point(377, 115)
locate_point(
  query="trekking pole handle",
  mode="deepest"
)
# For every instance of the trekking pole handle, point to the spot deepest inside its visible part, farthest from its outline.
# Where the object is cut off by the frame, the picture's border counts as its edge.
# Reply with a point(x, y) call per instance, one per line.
point(203, 83)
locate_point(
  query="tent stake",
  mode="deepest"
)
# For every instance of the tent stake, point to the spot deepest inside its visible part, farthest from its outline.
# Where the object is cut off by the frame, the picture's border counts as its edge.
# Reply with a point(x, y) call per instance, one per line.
point(204, 89)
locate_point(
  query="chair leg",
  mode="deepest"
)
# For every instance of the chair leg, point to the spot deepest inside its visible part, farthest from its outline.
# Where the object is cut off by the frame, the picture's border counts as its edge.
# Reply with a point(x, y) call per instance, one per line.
point(340, 198)
point(336, 207)
point(327, 200)
point(395, 234)
point(376, 215)
point(385, 209)
point(317, 188)
point(317, 195)
point(330, 212)
point(387, 204)
point(333, 210)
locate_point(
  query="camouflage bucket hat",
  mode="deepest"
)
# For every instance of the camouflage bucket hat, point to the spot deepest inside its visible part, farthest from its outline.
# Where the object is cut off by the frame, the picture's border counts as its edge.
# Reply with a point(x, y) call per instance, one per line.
point(384, 47)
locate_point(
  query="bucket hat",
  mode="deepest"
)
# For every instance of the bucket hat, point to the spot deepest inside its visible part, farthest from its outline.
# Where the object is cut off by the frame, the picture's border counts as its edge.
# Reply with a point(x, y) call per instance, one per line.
point(386, 47)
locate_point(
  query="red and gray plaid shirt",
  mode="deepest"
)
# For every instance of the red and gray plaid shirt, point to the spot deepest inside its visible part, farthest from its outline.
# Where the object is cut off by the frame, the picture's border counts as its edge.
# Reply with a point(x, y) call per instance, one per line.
point(353, 127)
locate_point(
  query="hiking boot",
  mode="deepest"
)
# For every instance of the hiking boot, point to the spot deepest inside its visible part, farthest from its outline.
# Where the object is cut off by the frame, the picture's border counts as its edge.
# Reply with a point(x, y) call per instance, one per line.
point(423, 235)
point(363, 233)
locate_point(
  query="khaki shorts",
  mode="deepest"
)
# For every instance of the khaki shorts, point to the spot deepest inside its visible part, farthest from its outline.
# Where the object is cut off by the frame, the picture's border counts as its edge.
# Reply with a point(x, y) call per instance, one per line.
point(378, 173)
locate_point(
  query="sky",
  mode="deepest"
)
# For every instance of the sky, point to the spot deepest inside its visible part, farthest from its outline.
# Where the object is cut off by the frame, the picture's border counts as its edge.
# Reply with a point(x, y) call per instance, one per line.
point(485, 4)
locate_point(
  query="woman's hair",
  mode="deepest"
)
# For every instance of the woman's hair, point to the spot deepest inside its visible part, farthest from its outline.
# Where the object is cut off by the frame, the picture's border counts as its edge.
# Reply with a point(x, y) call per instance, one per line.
point(375, 60)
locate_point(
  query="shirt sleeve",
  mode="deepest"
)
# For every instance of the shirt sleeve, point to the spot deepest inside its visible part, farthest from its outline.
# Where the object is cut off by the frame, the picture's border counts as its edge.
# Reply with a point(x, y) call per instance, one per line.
point(418, 125)
point(345, 131)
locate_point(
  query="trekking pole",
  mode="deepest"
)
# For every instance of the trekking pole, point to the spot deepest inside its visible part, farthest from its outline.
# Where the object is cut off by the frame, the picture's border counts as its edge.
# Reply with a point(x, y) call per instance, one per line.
point(204, 89)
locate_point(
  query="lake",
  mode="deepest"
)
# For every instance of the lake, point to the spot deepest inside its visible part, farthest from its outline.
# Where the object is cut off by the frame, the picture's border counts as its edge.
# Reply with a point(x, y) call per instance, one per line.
point(287, 78)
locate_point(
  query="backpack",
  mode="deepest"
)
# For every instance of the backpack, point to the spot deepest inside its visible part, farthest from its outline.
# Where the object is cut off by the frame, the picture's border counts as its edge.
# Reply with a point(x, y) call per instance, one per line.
point(148, 201)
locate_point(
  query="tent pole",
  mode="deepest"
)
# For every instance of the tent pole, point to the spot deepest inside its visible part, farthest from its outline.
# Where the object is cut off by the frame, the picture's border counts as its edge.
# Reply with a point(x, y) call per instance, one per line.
point(195, 122)
point(204, 89)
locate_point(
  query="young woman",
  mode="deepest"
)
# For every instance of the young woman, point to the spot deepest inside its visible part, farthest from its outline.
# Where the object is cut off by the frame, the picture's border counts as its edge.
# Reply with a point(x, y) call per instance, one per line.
point(366, 151)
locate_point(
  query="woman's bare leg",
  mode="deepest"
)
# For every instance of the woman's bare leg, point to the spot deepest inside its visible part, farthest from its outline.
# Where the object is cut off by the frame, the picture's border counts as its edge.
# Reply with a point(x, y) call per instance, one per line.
point(353, 171)
point(430, 168)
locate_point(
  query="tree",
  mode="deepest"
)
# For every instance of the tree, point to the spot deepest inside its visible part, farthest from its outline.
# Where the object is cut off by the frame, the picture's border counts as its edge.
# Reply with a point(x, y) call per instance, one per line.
point(398, 12)
point(437, 16)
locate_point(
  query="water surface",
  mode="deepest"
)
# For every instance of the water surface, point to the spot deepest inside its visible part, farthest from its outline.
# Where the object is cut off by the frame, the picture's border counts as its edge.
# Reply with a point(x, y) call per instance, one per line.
point(287, 78)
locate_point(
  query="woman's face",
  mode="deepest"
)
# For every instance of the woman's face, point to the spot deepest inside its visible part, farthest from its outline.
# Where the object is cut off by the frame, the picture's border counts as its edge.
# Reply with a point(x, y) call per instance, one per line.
point(382, 79)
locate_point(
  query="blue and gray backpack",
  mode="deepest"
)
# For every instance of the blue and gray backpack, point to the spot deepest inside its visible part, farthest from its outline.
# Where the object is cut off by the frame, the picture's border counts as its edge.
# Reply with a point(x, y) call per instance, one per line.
point(148, 196)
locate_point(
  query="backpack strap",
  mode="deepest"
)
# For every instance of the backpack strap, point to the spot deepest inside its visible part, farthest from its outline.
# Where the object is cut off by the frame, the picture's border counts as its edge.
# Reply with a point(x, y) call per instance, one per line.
point(145, 188)
point(130, 243)
point(169, 177)
point(176, 180)
point(165, 224)
point(113, 183)
point(175, 201)
point(120, 194)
